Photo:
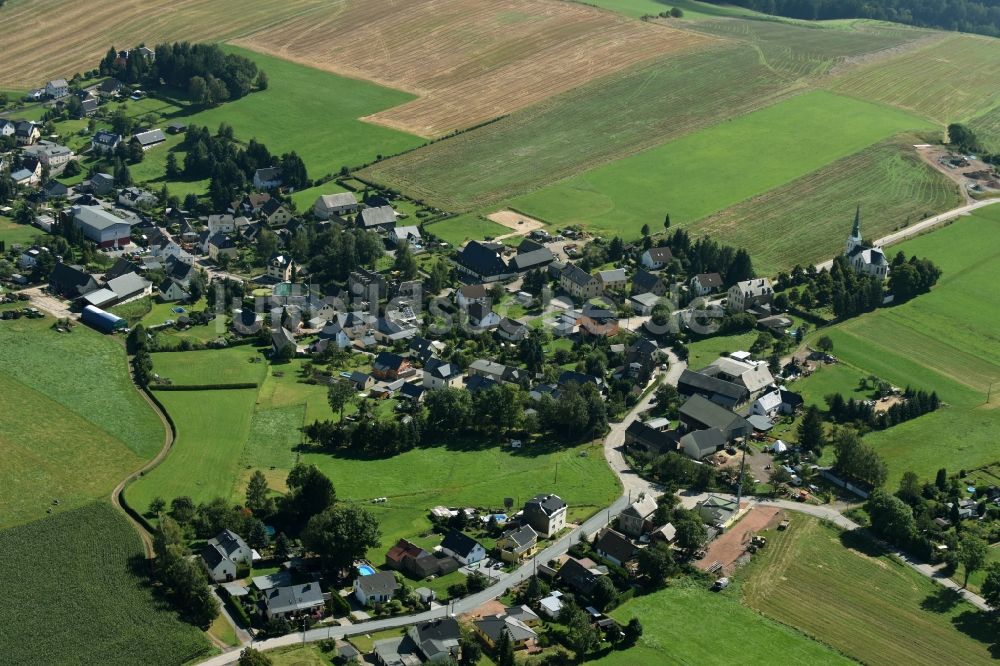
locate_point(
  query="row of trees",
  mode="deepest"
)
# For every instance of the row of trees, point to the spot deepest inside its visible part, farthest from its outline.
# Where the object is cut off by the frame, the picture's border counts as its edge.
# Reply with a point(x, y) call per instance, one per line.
point(979, 16)
point(914, 404)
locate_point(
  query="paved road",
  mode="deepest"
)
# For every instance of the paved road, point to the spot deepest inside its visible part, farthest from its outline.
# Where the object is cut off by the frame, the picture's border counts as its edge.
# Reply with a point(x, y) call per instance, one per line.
point(923, 226)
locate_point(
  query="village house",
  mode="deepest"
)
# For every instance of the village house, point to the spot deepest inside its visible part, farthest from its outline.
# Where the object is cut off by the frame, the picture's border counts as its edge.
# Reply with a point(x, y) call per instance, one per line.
point(71, 281)
point(431, 642)
point(329, 205)
point(546, 514)
point(376, 588)
point(224, 554)
point(700, 443)
point(512, 330)
point(439, 374)
point(644, 282)
point(754, 376)
point(551, 605)
point(482, 262)
point(380, 218)
point(531, 259)
point(408, 234)
point(462, 547)
point(492, 627)
point(614, 547)
point(221, 245)
point(388, 366)
point(149, 139)
point(281, 267)
point(643, 304)
point(643, 437)
point(417, 562)
point(367, 284)
point(26, 132)
point(704, 284)
point(275, 212)
point(468, 294)
point(172, 290)
point(105, 141)
point(580, 575)
point(697, 413)
point(637, 518)
point(656, 258)
point(749, 294)
point(482, 318)
point(50, 154)
point(579, 283)
point(293, 600)
point(718, 390)
point(776, 402)
point(57, 88)
point(267, 178)
point(517, 544)
point(135, 197)
point(27, 177)
point(613, 280)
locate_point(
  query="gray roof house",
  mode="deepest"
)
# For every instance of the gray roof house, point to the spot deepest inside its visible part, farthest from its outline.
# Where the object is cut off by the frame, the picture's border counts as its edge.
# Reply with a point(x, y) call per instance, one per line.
point(699, 414)
point(546, 514)
point(149, 139)
point(462, 547)
point(380, 218)
point(375, 588)
point(700, 443)
point(292, 600)
point(223, 554)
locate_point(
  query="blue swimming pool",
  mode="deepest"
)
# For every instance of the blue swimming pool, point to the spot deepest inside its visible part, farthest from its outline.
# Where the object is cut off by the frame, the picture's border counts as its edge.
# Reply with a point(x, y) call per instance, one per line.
point(365, 570)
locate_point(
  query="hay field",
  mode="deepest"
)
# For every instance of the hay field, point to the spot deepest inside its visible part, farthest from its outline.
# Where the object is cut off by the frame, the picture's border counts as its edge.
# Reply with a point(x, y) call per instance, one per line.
point(468, 60)
point(951, 80)
point(56, 38)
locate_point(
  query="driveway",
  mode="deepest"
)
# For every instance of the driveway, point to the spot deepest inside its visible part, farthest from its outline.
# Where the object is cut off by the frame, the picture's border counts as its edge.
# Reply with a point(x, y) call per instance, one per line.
point(42, 300)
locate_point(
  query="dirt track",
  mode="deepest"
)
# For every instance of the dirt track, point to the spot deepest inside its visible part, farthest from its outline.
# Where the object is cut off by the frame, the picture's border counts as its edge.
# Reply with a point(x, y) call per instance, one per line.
point(731, 545)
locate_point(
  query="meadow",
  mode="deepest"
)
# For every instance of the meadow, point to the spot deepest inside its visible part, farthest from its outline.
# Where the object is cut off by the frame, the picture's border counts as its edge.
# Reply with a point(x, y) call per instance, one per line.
point(946, 341)
point(951, 80)
point(687, 624)
point(13, 233)
point(987, 129)
point(72, 429)
point(585, 127)
point(234, 365)
point(456, 230)
point(468, 60)
point(693, 10)
point(704, 172)
point(55, 38)
point(806, 220)
point(848, 594)
point(90, 603)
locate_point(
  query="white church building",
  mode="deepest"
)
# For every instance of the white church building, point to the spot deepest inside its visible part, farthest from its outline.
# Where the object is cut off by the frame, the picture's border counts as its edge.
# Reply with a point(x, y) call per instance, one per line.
point(863, 258)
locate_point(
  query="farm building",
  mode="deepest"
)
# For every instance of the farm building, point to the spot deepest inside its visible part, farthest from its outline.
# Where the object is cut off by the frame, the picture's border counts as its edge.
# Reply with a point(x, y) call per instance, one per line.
point(150, 139)
point(329, 205)
point(102, 227)
point(105, 322)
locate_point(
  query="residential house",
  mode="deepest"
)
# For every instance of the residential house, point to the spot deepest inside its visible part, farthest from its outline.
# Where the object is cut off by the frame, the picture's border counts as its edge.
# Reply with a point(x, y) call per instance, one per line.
point(718, 390)
point(754, 376)
point(749, 294)
point(491, 628)
point(7, 127)
point(375, 588)
point(149, 139)
point(224, 554)
point(129, 287)
point(637, 518)
point(367, 284)
point(329, 205)
point(645, 282)
point(512, 330)
point(643, 304)
point(293, 600)
point(381, 218)
point(88, 107)
point(54, 190)
point(100, 184)
point(27, 177)
point(463, 548)
point(281, 338)
point(50, 154)
point(176, 127)
point(417, 562)
point(656, 258)
point(221, 224)
point(267, 178)
point(281, 267)
point(408, 234)
point(598, 321)
point(57, 88)
point(135, 197)
point(551, 605)
point(221, 245)
point(246, 322)
point(439, 374)
point(275, 212)
point(101, 226)
point(546, 514)
point(614, 547)
point(105, 142)
point(431, 642)
point(172, 291)
point(389, 366)
point(778, 401)
point(523, 262)
point(423, 349)
point(717, 511)
point(572, 376)
point(666, 534)
point(865, 259)
point(697, 413)
point(483, 262)
point(579, 283)
point(250, 204)
point(698, 444)
point(108, 87)
point(27, 132)
point(179, 270)
point(517, 544)
point(468, 294)
point(613, 280)
point(643, 437)
point(389, 329)
point(704, 284)
point(71, 281)
point(482, 317)
point(580, 575)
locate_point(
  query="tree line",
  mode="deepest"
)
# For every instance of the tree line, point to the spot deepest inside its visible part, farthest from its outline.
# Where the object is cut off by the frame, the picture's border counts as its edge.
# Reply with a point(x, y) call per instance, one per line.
point(978, 16)
point(859, 412)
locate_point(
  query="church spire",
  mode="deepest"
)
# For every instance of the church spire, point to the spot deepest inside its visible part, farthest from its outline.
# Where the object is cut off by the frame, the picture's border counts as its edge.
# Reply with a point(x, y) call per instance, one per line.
point(856, 232)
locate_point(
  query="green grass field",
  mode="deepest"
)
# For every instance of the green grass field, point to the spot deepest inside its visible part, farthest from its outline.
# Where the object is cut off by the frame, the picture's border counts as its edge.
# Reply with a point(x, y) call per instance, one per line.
point(218, 366)
point(946, 341)
point(687, 624)
point(693, 10)
point(582, 128)
point(987, 129)
point(314, 113)
point(709, 170)
point(806, 220)
point(457, 230)
point(703, 352)
point(85, 604)
point(304, 199)
point(951, 80)
point(870, 606)
point(70, 430)
point(13, 233)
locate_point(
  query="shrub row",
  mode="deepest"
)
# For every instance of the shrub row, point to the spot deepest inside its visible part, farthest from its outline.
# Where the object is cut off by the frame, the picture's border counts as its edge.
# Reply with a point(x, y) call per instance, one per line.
point(204, 387)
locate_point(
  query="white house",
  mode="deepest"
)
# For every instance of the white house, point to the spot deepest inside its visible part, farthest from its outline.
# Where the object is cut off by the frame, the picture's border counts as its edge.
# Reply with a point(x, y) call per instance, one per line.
point(375, 588)
point(407, 234)
point(613, 280)
point(546, 514)
point(439, 374)
point(267, 178)
point(281, 267)
point(7, 127)
point(703, 284)
point(221, 224)
point(57, 88)
point(749, 293)
point(656, 258)
point(328, 205)
point(51, 154)
point(105, 142)
point(463, 548)
point(223, 554)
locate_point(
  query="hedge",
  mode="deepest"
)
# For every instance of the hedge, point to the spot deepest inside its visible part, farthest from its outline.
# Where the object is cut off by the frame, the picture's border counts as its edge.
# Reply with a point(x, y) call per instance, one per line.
point(204, 387)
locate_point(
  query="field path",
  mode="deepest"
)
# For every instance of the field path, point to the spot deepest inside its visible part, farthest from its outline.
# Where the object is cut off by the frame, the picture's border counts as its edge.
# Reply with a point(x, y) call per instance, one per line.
point(921, 227)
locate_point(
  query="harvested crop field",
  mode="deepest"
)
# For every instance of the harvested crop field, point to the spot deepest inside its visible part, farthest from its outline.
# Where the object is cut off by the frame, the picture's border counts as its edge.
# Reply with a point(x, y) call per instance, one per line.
point(468, 60)
point(55, 38)
point(951, 80)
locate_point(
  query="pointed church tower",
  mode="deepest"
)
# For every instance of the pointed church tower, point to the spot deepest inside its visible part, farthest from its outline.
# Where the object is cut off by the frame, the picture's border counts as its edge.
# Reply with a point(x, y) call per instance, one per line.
point(855, 240)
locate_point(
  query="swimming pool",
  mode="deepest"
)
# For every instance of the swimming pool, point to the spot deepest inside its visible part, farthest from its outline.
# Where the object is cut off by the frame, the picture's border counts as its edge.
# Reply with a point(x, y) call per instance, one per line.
point(365, 570)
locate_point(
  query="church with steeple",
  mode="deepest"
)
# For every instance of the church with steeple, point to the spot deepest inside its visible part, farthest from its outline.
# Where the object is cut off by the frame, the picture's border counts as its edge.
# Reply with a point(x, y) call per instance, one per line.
point(863, 258)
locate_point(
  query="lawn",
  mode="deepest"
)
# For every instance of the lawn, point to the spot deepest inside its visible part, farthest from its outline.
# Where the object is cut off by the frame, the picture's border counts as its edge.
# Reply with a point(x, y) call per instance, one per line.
point(687, 624)
point(946, 341)
point(13, 233)
point(314, 113)
point(693, 10)
point(304, 199)
point(951, 80)
point(978, 576)
point(861, 602)
point(709, 170)
point(806, 220)
point(87, 604)
point(703, 352)
point(239, 364)
point(212, 430)
point(305, 655)
point(457, 230)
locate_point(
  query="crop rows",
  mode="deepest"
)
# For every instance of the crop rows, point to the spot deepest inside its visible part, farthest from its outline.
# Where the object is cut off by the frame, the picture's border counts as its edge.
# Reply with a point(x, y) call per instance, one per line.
point(87, 602)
